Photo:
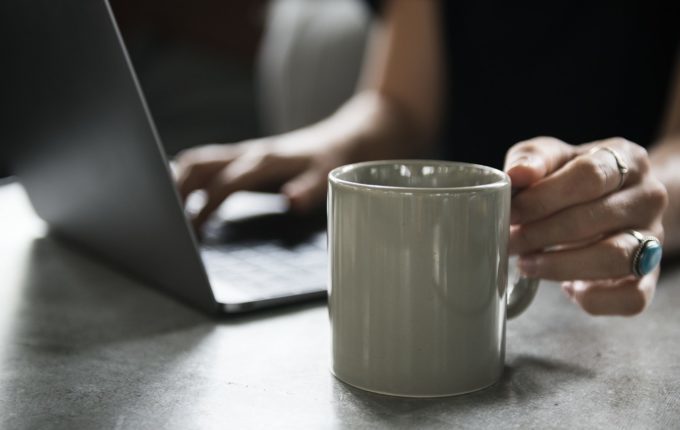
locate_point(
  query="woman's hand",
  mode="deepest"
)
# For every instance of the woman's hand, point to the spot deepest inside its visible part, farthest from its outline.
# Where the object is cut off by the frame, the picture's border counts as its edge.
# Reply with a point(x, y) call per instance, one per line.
point(571, 215)
point(296, 164)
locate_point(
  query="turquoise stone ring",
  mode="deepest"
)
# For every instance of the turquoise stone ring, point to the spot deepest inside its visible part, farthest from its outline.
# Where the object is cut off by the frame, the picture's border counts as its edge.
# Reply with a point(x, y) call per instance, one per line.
point(647, 255)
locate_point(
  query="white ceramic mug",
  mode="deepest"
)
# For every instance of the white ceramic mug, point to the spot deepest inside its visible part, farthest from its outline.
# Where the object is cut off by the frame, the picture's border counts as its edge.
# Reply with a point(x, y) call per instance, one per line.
point(418, 292)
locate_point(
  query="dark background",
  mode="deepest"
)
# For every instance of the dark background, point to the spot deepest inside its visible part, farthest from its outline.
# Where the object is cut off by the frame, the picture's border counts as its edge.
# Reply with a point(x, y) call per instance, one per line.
point(195, 64)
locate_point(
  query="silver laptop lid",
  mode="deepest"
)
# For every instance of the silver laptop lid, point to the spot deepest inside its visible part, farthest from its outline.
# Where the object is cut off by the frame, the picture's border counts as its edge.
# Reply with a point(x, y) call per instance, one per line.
point(86, 148)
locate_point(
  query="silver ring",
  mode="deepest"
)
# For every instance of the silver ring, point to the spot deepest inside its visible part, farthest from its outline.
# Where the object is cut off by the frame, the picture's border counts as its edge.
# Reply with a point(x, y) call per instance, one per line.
point(620, 164)
point(647, 254)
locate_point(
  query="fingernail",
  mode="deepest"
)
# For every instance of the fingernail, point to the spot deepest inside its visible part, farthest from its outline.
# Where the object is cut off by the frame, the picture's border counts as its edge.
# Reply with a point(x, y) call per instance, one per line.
point(528, 265)
point(530, 161)
point(516, 162)
point(568, 289)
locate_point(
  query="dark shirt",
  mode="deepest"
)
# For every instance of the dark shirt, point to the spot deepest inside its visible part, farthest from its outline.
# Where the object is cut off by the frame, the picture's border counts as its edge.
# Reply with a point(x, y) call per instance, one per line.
point(576, 70)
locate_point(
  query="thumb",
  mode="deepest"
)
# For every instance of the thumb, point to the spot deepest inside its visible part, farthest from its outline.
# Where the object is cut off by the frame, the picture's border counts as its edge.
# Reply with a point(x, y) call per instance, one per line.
point(306, 191)
point(529, 161)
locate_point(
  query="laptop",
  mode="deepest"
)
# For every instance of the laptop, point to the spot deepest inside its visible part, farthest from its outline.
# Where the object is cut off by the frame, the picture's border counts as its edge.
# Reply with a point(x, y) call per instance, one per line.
point(87, 152)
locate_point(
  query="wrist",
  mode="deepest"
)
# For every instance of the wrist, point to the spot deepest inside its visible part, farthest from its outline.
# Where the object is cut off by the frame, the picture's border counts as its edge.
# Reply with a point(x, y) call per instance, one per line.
point(372, 126)
point(665, 163)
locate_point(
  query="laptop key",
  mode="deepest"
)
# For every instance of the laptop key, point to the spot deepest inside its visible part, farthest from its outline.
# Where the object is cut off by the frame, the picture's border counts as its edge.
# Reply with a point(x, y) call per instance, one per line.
point(266, 270)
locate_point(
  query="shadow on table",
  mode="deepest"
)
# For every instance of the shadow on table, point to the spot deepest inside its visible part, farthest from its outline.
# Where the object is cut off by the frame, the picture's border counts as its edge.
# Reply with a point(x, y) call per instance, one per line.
point(68, 298)
point(82, 342)
point(525, 379)
point(61, 281)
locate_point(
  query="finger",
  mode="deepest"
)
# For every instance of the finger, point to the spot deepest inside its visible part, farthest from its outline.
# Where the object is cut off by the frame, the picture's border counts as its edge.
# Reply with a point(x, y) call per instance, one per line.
point(196, 167)
point(196, 177)
point(532, 160)
point(587, 177)
point(616, 212)
point(306, 191)
point(625, 297)
point(241, 175)
point(248, 173)
point(634, 154)
point(609, 258)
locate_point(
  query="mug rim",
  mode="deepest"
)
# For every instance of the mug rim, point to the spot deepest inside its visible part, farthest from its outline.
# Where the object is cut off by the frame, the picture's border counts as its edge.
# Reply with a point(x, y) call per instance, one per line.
point(333, 176)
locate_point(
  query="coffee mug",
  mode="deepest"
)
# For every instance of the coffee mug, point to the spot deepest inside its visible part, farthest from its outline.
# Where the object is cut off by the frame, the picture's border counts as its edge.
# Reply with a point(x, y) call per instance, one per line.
point(418, 289)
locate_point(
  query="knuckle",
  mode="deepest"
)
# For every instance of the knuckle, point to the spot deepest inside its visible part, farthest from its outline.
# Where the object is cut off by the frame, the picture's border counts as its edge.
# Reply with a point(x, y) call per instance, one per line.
point(639, 157)
point(183, 154)
point(547, 140)
point(528, 146)
point(266, 156)
point(267, 159)
point(633, 152)
point(622, 144)
point(188, 170)
point(620, 251)
point(657, 195)
point(619, 142)
point(640, 152)
point(185, 159)
point(595, 174)
point(198, 156)
point(222, 179)
point(535, 144)
point(258, 159)
point(643, 163)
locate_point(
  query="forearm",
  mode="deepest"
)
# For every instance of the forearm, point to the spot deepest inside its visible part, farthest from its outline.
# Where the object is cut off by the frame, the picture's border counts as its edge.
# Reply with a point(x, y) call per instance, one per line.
point(395, 113)
point(665, 159)
point(372, 126)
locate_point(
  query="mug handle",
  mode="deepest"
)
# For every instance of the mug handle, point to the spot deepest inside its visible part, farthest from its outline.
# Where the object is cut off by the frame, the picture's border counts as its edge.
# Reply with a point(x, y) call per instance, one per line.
point(520, 296)
point(521, 293)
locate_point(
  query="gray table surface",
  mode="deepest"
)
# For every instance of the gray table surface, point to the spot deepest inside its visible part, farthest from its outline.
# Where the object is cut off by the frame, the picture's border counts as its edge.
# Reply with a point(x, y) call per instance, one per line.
point(83, 346)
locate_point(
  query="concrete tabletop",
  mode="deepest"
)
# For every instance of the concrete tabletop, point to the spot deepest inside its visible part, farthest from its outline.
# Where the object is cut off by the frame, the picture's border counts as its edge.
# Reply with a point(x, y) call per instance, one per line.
point(83, 346)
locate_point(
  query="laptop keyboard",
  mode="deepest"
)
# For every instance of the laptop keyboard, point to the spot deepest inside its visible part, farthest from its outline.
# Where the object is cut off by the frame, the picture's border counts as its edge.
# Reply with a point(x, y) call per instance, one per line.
point(263, 270)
